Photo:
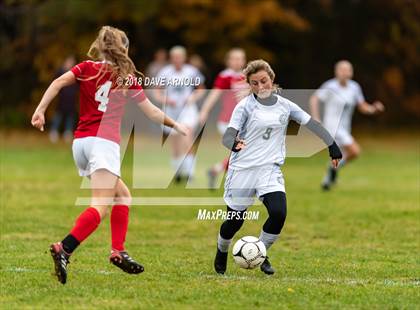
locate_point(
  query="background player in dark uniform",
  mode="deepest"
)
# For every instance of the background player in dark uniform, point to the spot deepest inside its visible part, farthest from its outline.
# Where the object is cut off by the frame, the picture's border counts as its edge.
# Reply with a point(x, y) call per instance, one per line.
point(66, 106)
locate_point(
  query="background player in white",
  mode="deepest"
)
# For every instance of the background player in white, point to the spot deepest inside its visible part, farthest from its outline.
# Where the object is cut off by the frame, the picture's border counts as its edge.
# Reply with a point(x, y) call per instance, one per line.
point(179, 103)
point(256, 135)
point(340, 95)
point(226, 86)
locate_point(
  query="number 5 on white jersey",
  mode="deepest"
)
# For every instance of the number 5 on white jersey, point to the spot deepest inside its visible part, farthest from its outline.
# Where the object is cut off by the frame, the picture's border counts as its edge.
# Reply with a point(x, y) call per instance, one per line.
point(101, 95)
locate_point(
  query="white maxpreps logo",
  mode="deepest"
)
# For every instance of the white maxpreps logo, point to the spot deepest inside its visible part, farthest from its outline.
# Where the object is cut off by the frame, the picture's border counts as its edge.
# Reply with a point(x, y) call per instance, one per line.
point(219, 214)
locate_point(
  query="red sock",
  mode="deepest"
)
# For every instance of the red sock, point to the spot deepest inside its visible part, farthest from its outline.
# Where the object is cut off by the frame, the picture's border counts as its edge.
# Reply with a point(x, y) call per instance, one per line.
point(86, 224)
point(226, 163)
point(119, 226)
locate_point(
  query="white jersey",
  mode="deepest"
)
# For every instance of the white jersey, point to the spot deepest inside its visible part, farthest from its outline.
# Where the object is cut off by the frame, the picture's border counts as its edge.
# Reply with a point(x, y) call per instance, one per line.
point(180, 83)
point(339, 102)
point(264, 130)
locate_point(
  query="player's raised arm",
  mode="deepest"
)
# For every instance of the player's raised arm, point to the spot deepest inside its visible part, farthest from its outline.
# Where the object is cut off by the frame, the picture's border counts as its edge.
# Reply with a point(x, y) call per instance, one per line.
point(155, 114)
point(362, 105)
point(38, 118)
point(370, 109)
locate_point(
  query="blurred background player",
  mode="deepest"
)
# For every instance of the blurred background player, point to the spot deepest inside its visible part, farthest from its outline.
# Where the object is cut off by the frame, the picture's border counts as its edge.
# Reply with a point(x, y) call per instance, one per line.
point(340, 96)
point(256, 135)
point(178, 99)
point(160, 60)
point(197, 61)
point(228, 82)
point(66, 106)
point(96, 148)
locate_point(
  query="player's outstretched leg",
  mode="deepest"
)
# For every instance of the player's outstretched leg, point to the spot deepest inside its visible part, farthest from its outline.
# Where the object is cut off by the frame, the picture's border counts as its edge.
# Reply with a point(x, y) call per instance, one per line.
point(227, 231)
point(86, 223)
point(276, 205)
point(119, 226)
point(102, 184)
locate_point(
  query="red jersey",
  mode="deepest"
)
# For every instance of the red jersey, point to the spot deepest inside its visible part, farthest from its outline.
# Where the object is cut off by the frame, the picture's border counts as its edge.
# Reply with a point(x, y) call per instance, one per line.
point(101, 105)
point(230, 81)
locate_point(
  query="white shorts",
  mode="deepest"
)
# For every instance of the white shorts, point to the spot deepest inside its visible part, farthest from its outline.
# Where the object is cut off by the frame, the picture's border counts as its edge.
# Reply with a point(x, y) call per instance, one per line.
point(241, 186)
point(343, 137)
point(93, 153)
point(187, 115)
point(222, 127)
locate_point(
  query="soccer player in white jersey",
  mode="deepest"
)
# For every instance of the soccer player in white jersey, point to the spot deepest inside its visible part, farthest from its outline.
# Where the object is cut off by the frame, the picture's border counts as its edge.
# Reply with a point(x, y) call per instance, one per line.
point(340, 96)
point(256, 136)
point(179, 79)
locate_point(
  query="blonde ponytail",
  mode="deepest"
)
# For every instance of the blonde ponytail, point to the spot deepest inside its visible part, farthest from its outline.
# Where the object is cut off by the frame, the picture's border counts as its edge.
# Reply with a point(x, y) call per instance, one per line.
point(111, 45)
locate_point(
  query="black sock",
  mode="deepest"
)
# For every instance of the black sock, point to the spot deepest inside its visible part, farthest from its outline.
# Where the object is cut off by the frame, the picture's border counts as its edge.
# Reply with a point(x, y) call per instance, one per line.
point(230, 227)
point(332, 174)
point(70, 243)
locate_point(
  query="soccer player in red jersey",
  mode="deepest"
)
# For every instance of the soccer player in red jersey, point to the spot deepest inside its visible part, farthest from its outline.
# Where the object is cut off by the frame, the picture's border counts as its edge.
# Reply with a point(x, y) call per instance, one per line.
point(96, 149)
point(226, 86)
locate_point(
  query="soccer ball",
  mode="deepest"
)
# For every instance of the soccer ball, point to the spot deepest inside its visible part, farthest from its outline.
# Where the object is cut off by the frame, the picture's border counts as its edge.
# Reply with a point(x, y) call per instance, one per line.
point(249, 252)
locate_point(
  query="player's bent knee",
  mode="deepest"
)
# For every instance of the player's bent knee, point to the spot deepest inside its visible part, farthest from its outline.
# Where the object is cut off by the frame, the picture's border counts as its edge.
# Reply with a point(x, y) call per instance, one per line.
point(124, 200)
point(279, 215)
point(231, 226)
point(102, 210)
point(358, 151)
point(353, 151)
point(276, 205)
point(123, 195)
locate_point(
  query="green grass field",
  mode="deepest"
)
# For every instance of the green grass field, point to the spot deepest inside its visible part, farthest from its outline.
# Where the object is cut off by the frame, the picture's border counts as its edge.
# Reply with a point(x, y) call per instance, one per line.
point(355, 247)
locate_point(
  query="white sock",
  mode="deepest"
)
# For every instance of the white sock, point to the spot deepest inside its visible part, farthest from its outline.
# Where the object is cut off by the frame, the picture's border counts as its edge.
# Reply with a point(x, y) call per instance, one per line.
point(268, 239)
point(188, 166)
point(176, 162)
point(341, 163)
point(223, 244)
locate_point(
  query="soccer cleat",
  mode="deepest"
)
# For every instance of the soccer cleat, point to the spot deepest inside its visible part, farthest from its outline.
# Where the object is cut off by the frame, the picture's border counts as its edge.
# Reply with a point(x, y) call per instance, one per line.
point(266, 267)
point(325, 186)
point(122, 260)
point(211, 175)
point(220, 261)
point(178, 178)
point(330, 179)
point(61, 260)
